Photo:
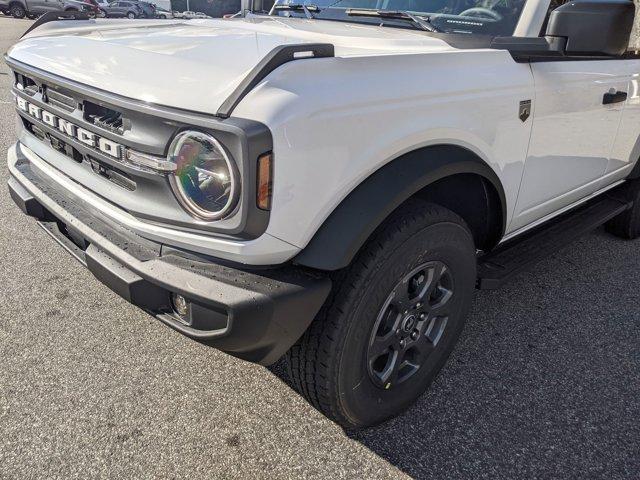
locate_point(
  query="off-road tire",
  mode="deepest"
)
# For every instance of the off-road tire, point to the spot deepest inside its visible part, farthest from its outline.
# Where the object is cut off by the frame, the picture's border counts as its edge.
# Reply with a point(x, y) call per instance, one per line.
point(329, 366)
point(17, 11)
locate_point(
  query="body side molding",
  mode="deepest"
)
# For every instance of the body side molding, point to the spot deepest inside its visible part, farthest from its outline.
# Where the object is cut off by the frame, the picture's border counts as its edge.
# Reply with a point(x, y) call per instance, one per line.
point(350, 225)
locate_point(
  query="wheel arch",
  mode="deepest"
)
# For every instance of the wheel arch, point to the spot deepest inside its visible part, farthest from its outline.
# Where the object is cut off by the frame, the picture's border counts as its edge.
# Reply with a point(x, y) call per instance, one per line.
point(440, 174)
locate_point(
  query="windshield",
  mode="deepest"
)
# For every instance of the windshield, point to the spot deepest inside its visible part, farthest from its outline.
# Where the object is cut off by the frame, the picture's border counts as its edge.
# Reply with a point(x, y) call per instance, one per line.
point(484, 17)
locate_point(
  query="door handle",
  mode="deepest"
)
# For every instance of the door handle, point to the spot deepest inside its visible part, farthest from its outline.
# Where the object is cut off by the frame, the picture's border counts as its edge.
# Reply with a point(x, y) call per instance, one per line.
point(614, 97)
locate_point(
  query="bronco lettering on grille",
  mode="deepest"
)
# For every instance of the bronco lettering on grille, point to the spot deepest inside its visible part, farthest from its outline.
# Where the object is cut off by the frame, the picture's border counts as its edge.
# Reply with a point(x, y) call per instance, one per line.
point(86, 137)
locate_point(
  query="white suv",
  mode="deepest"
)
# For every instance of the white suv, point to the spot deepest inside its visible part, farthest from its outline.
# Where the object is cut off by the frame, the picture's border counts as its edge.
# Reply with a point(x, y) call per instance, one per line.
point(330, 182)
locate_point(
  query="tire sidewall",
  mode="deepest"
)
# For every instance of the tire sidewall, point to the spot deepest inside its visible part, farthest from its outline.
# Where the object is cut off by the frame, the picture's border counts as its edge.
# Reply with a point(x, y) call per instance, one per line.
point(364, 402)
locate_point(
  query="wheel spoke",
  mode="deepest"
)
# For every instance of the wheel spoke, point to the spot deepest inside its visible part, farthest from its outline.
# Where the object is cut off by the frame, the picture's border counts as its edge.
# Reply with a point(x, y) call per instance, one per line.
point(439, 292)
point(435, 275)
point(398, 363)
point(386, 374)
point(401, 298)
point(440, 307)
point(423, 345)
point(389, 317)
point(435, 330)
point(381, 345)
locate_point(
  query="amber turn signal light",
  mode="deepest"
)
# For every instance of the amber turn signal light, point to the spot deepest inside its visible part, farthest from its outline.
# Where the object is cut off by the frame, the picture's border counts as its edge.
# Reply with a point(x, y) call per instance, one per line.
point(265, 174)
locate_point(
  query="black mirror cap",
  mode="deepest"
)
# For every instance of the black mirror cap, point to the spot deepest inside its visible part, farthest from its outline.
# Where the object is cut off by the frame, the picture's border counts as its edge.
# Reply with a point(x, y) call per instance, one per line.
point(594, 27)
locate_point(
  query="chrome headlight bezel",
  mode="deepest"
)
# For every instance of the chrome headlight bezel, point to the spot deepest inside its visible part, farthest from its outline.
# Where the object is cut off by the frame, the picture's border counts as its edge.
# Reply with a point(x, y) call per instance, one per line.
point(183, 197)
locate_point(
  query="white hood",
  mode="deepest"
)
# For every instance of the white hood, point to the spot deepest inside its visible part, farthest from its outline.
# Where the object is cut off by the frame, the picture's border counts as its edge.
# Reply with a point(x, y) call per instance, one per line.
point(195, 64)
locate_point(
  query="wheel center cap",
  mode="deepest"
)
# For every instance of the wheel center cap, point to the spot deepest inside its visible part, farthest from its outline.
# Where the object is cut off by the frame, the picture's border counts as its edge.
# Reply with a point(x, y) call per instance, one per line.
point(409, 323)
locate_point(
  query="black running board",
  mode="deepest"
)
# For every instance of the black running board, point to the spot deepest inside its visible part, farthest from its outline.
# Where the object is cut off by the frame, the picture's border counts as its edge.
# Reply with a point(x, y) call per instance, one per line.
point(512, 258)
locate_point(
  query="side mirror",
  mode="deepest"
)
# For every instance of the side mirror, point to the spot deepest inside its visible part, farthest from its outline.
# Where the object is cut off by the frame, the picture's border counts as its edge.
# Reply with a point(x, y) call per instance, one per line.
point(579, 28)
point(593, 27)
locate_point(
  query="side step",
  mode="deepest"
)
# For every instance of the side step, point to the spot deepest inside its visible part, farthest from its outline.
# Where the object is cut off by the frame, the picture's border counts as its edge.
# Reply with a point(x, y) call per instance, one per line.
point(510, 259)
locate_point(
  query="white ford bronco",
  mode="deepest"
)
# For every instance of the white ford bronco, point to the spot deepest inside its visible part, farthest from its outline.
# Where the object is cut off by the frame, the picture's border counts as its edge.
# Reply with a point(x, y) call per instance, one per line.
point(330, 181)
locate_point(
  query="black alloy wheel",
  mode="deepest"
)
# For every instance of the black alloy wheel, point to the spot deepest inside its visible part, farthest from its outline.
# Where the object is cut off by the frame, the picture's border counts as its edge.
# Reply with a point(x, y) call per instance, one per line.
point(410, 324)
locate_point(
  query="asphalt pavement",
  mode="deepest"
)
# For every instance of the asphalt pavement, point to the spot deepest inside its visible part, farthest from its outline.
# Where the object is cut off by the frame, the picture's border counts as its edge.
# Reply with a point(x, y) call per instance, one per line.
point(545, 382)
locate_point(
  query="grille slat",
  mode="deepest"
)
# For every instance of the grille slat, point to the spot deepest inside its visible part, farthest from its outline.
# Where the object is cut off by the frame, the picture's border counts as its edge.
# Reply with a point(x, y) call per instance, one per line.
point(60, 100)
point(104, 117)
point(26, 84)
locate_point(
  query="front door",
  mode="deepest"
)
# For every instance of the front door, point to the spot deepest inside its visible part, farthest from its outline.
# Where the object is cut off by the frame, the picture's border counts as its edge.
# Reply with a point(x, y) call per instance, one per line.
point(626, 150)
point(574, 129)
point(577, 112)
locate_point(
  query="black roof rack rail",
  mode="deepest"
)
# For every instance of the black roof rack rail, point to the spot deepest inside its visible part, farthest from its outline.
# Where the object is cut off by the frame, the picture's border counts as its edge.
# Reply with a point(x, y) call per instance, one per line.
point(275, 58)
point(55, 16)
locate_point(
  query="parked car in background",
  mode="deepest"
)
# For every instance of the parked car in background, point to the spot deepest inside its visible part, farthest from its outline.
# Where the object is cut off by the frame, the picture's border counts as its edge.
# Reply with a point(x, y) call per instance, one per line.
point(188, 14)
point(148, 9)
point(103, 5)
point(202, 15)
point(35, 8)
point(162, 13)
point(163, 4)
point(89, 7)
point(98, 11)
point(124, 9)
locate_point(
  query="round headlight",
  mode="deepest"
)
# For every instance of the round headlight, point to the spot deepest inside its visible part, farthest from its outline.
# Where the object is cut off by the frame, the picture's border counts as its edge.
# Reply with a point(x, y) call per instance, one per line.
point(205, 180)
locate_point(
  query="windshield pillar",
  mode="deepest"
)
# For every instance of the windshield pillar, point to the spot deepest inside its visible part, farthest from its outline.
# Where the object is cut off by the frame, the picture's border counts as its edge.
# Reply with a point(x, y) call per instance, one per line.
point(532, 18)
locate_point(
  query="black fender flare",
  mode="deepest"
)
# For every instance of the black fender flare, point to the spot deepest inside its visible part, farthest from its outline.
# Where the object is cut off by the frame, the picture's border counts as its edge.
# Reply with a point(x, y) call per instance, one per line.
point(349, 226)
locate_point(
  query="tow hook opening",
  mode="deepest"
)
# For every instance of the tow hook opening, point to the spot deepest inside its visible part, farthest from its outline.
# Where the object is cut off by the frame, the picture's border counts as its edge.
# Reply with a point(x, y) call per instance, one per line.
point(181, 308)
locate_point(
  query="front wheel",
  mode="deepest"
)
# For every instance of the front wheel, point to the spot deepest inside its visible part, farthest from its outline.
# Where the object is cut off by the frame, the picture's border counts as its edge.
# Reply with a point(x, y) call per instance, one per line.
point(392, 319)
point(18, 11)
point(131, 15)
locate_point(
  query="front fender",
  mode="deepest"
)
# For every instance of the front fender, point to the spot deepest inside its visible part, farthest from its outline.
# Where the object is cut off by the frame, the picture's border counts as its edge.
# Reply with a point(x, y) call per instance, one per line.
point(350, 225)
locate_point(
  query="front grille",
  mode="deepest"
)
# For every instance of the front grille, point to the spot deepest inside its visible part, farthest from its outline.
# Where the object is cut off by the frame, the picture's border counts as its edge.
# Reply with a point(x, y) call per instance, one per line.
point(26, 84)
point(111, 173)
point(55, 142)
point(98, 115)
point(123, 123)
point(105, 117)
point(89, 145)
point(59, 99)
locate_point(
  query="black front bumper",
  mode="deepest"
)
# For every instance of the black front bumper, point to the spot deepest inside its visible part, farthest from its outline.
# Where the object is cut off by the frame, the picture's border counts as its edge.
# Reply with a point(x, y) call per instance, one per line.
point(253, 314)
